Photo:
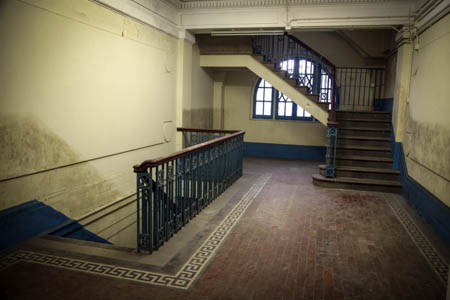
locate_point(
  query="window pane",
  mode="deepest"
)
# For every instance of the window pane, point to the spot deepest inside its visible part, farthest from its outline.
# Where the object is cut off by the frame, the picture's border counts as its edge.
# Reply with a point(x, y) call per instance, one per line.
point(288, 109)
point(307, 114)
point(262, 83)
point(259, 109)
point(281, 107)
point(267, 94)
point(267, 108)
point(259, 94)
point(291, 64)
point(268, 85)
point(300, 111)
point(301, 66)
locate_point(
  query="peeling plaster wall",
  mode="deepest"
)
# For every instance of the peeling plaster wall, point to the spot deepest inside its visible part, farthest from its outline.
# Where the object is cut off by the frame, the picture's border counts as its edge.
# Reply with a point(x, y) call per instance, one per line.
point(427, 135)
point(238, 104)
point(202, 93)
point(84, 95)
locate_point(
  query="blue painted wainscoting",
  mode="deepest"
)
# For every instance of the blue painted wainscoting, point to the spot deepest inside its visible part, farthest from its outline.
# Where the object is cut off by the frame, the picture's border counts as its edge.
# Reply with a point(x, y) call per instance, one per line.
point(433, 210)
point(285, 151)
point(32, 218)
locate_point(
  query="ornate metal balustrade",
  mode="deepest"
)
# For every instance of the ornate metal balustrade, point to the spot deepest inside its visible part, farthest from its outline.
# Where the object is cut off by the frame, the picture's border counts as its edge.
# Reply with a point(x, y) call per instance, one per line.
point(310, 69)
point(192, 136)
point(174, 189)
point(359, 88)
point(307, 66)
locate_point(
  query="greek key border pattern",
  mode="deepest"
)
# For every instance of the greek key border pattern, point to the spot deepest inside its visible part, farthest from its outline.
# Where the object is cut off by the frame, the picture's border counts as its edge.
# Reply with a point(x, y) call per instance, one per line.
point(429, 252)
point(183, 279)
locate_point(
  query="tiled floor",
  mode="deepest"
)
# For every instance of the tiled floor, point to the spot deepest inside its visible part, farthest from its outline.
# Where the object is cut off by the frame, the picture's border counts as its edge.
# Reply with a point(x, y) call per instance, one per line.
point(285, 239)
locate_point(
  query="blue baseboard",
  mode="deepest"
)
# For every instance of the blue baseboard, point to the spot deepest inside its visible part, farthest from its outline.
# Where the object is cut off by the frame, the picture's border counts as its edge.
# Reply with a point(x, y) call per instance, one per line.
point(24, 221)
point(433, 210)
point(285, 151)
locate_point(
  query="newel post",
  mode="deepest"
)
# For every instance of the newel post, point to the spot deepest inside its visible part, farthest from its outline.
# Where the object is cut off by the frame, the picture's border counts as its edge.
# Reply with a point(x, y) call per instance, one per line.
point(331, 149)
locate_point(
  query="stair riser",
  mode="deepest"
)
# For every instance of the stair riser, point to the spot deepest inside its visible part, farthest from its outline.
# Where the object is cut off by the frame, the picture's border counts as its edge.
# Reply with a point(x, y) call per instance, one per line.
point(356, 115)
point(352, 132)
point(364, 175)
point(347, 142)
point(361, 187)
point(363, 163)
point(357, 152)
point(364, 124)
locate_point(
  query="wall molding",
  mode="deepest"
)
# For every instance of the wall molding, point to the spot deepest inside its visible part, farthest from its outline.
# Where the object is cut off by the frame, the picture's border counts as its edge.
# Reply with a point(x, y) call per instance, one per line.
point(259, 3)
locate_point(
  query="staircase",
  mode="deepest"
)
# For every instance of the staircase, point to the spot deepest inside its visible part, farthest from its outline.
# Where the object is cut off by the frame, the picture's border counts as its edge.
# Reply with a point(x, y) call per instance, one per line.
point(275, 68)
point(363, 154)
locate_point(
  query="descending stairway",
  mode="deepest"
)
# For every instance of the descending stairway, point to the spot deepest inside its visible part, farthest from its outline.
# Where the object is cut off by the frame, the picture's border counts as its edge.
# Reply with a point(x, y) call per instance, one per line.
point(363, 154)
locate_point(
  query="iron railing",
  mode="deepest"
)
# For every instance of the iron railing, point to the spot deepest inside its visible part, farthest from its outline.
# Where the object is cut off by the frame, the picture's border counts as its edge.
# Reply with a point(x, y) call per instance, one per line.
point(308, 67)
point(358, 88)
point(173, 189)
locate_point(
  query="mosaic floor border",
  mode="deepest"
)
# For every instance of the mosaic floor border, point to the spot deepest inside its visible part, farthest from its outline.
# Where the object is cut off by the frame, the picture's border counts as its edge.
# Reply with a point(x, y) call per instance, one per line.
point(183, 279)
point(429, 252)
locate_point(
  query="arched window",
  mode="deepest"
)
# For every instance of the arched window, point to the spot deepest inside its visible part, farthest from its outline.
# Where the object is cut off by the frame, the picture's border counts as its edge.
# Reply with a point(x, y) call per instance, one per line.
point(263, 100)
point(306, 72)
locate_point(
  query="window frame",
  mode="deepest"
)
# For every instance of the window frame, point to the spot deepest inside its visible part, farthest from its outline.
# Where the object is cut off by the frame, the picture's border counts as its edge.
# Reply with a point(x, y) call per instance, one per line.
point(257, 87)
point(294, 111)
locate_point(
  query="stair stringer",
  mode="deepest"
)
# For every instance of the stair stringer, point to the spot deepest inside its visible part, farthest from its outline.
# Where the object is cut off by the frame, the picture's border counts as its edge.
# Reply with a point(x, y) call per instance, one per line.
point(249, 62)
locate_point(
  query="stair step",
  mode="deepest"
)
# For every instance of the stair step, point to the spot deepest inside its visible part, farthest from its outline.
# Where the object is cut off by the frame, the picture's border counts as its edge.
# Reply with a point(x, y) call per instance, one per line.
point(357, 183)
point(351, 140)
point(364, 172)
point(361, 137)
point(364, 128)
point(378, 115)
point(364, 131)
point(364, 123)
point(365, 158)
point(364, 120)
point(363, 161)
point(361, 151)
point(369, 148)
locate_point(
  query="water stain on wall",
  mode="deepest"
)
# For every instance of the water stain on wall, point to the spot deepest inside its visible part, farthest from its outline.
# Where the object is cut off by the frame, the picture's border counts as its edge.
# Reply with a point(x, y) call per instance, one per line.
point(27, 146)
point(428, 143)
point(201, 118)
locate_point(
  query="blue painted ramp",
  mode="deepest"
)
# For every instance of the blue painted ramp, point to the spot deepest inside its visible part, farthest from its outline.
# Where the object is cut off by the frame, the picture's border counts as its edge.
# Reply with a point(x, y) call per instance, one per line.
point(24, 221)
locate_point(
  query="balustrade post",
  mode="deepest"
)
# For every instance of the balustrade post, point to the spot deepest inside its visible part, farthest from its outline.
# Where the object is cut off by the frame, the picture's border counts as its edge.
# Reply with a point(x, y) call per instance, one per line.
point(331, 149)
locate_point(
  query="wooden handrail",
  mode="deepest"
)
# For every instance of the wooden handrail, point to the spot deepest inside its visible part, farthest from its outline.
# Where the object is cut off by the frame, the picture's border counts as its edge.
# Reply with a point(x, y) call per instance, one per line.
point(205, 130)
point(142, 167)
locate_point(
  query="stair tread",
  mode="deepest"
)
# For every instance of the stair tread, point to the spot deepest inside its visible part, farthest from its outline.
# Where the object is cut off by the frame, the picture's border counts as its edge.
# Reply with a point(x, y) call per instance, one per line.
point(364, 112)
point(358, 180)
point(364, 120)
point(364, 128)
point(368, 158)
point(374, 148)
point(361, 137)
point(364, 169)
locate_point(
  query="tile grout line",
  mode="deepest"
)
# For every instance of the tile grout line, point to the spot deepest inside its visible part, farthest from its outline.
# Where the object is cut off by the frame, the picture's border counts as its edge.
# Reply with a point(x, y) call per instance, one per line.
point(426, 248)
point(183, 279)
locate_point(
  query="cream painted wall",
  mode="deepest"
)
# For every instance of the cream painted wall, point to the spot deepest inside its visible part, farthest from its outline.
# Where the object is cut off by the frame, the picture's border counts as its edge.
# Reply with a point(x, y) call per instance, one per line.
point(202, 93)
point(336, 49)
point(238, 97)
point(427, 126)
point(84, 95)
